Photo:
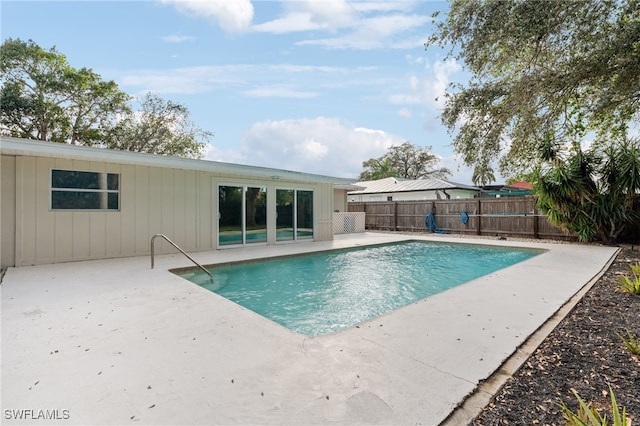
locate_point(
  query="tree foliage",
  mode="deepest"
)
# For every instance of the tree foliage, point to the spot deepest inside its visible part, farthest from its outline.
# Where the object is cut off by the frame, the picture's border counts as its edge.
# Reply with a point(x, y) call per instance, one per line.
point(589, 193)
point(483, 175)
point(540, 70)
point(376, 168)
point(42, 97)
point(160, 127)
point(404, 161)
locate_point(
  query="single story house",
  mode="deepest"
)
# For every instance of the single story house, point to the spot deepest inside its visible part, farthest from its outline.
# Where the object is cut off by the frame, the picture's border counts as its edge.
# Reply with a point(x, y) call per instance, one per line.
point(64, 203)
point(396, 189)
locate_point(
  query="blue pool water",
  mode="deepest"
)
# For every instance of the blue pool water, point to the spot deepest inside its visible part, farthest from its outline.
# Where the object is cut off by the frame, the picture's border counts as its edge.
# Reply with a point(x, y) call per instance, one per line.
point(317, 294)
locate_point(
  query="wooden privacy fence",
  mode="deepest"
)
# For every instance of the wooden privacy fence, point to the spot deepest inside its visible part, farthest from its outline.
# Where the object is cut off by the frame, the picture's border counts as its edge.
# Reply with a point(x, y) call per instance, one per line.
point(512, 216)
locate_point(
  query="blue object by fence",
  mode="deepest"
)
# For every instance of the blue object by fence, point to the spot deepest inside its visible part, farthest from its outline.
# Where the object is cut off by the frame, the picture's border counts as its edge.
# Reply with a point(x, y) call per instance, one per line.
point(464, 217)
point(430, 224)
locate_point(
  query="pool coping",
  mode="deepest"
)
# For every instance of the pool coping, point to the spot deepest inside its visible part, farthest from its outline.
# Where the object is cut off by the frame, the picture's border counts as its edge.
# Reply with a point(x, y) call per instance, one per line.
point(135, 344)
point(196, 275)
point(474, 403)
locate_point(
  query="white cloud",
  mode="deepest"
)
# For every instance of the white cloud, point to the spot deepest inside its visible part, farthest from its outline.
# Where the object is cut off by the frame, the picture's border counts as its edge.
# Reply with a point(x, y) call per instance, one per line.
point(321, 145)
point(292, 22)
point(290, 68)
point(414, 82)
point(278, 92)
point(405, 113)
point(175, 38)
point(185, 80)
point(442, 71)
point(256, 80)
point(414, 59)
point(309, 16)
point(335, 13)
point(428, 90)
point(231, 16)
point(377, 32)
point(311, 149)
point(355, 25)
point(384, 6)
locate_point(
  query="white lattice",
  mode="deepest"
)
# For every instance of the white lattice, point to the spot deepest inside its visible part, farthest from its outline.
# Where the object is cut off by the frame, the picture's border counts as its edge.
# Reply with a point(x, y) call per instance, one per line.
point(348, 223)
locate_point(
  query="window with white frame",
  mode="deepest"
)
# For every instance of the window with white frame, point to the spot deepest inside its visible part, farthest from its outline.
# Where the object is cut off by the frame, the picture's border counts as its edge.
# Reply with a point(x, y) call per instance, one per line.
point(77, 190)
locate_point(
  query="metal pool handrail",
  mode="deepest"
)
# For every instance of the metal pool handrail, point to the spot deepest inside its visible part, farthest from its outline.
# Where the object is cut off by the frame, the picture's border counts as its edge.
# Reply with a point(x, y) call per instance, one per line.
point(181, 251)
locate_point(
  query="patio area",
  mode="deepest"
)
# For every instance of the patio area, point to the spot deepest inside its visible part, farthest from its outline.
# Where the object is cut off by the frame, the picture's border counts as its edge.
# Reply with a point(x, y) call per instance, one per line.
point(116, 342)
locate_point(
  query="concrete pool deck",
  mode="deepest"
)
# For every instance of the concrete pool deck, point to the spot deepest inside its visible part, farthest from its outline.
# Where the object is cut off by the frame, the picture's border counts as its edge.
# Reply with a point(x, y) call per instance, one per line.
point(116, 342)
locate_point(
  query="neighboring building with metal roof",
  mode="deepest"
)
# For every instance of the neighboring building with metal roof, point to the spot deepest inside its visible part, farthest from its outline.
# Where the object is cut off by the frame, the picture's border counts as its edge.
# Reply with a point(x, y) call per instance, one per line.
point(65, 203)
point(396, 189)
point(515, 189)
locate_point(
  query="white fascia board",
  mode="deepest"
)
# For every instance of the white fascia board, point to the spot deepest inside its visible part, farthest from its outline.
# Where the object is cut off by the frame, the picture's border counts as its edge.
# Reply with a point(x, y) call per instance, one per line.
point(27, 147)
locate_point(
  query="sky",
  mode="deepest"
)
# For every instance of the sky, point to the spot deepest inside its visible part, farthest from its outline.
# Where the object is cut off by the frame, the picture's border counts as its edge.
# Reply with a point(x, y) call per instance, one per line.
point(311, 86)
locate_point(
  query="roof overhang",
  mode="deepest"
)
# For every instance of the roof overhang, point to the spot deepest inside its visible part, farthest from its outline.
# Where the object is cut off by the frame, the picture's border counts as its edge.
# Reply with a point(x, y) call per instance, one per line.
point(365, 192)
point(348, 187)
point(32, 148)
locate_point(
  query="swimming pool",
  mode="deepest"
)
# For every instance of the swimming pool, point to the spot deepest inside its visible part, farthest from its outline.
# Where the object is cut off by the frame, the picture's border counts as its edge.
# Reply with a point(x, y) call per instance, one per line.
point(320, 293)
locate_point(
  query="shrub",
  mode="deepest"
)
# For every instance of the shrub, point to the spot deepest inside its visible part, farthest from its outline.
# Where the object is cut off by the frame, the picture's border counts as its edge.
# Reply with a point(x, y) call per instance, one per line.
point(586, 415)
point(631, 343)
point(631, 284)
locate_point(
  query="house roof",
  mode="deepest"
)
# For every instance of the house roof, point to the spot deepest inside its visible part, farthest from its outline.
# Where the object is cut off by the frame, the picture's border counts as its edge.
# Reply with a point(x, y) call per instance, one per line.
point(521, 185)
point(18, 146)
point(392, 184)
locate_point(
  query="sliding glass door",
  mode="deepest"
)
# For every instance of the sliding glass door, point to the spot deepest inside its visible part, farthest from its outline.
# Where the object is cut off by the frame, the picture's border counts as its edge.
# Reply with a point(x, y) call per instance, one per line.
point(284, 214)
point(294, 214)
point(304, 216)
point(242, 215)
point(255, 217)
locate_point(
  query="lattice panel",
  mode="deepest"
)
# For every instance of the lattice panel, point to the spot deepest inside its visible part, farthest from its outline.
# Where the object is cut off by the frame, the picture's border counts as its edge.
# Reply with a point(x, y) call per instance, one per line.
point(348, 223)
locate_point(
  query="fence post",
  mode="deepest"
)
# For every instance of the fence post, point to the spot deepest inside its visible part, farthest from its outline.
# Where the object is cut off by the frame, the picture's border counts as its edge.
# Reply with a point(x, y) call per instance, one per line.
point(479, 216)
point(395, 215)
point(364, 209)
point(535, 222)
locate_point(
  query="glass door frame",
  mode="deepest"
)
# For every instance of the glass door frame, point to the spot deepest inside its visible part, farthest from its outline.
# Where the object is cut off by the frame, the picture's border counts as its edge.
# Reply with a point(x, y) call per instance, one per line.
point(242, 220)
point(295, 219)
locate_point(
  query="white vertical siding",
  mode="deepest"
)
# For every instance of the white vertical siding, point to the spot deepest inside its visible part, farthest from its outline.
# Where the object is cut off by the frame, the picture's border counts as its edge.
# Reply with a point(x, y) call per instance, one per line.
point(63, 235)
point(206, 211)
point(126, 229)
point(97, 223)
point(152, 200)
point(138, 185)
point(179, 203)
point(63, 221)
point(7, 211)
point(113, 222)
point(153, 207)
point(81, 237)
point(190, 218)
point(323, 216)
point(44, 224)
point(25, 211)
point(340, 200)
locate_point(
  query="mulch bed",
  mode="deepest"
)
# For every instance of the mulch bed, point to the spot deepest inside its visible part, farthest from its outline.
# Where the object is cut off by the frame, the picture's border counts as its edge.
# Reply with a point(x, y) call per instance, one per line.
point(583, 353)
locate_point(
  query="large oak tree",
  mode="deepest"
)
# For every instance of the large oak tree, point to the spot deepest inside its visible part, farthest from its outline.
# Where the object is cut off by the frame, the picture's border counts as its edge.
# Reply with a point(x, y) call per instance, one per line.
point(406, 161)
point(44, 98)
point(159, 127)
point(540, 70)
